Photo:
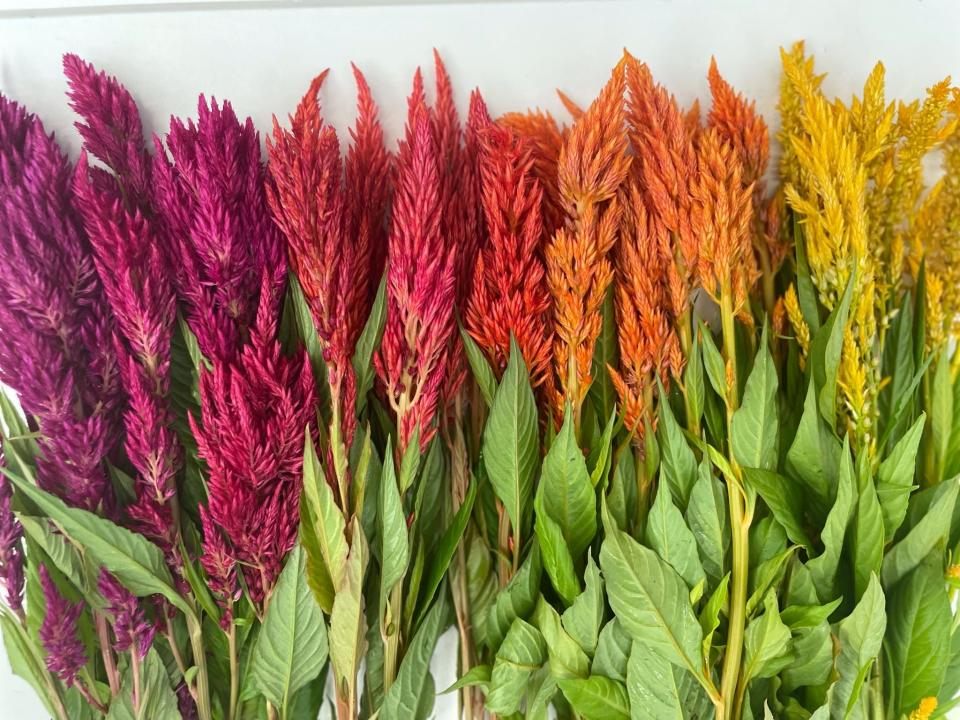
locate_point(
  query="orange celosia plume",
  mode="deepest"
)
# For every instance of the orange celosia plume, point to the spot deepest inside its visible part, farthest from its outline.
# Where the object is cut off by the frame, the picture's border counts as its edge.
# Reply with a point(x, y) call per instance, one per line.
point(510, 295)
point(592, 165)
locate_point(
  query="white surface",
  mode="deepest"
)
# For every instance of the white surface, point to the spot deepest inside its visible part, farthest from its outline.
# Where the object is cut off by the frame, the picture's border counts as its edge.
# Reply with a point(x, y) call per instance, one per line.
point(262, 58)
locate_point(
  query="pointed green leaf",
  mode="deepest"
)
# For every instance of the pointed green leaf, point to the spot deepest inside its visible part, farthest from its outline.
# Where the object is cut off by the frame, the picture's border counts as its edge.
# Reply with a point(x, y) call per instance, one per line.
point(367, 344)
point(678, 465)
point(482, 372)
point(585, 616)
point(766, 644)
point(707, 519)
point(394, 543)
point(566, 491)
point(347, 624)
point(814, 454)
point(522, 653)
point(668, 534)
point(755, 426)
point(895, 478)
point(860, 637)
point(597, 697)
point(565, 656)
point(784, 498)
point(932, 530)
point(613, 652)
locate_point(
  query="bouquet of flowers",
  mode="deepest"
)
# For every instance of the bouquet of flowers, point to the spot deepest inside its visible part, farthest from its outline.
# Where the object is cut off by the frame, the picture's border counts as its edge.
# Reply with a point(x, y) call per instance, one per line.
point(661, 430)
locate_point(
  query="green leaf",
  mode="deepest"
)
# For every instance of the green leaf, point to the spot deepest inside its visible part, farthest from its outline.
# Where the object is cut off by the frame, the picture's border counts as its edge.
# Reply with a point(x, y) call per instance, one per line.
point(814, 454)
point(327, 520)
point(650, 599)
point(754, 430)
point(522, 653)
point(541, 691)
point(932, 530)
point(941, 413)
point(482, 372)
point(367, 344)
point(292, 646)
point(813, 652)
point(659, 691)
point(516, 600)
point(597, 697)
point(566, 658)
point(157, 700)
point(557, 560)
point(693, 382)
point(807, 616)
point(895, 478)
point(511, 442)
point(766, 644)
point(867, 532)
point(784, 498)
point(23, 656)
point(136, 562)
point(601, 455)
point(565, 488)
point(347, 624)
point(917, 646)
point(710, 616)
point(414, 683)
point(678, 465)
point(62, 553)
point(860, 637)
point(605, 354)
point(825, 354)
point(823, 568)
point(714, 363)
point(477, 676)
point(806, 292)
point(707, 519)
point(668, 534)
point(582, 620)
point(449, 542)
point(395, 545)
point(613, 652)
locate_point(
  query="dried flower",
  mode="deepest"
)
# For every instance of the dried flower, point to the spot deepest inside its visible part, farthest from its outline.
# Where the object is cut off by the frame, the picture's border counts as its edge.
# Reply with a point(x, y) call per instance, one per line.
point(510, 295)
point(11, 549)
point(593, 163)
point(131, 628)
point(66, 656)
point(210, 196)
point(55, 327)
point(421, 278)
point(250, 433)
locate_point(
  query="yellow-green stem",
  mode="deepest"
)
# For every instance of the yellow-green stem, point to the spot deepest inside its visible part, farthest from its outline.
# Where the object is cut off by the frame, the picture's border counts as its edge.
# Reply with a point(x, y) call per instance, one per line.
point(202, 697)
point(390, 629)
point(234, 674)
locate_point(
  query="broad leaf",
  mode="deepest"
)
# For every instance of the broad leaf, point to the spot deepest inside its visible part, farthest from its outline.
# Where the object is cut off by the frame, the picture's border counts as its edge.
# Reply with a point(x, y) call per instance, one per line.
point(582, 620)
point(566, 658)
point(860, 637)
point(895, 478)
point(754, 431)
point(678, 466)
point(566, 491)
point(613, 652)
point(766, 645)
point(932, 530)
point(668, 534)
point(707, 518)
point(597, 697)
point(347, 623)
point(522, 653)
point(394, 543)
point(784, 498)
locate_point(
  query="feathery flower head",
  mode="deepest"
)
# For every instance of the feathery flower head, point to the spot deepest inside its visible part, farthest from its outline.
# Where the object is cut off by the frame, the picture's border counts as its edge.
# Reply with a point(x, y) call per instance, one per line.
point(111, 128)
point(11, 549)
point(55, 326)
point(421, 276)
point(646, 333)
point(592, 165)
point(210, 196)
point(65, 654)
point(510, 295)
point(250, 433)
point(131, 628)
point(925, 709)
point(722, 213)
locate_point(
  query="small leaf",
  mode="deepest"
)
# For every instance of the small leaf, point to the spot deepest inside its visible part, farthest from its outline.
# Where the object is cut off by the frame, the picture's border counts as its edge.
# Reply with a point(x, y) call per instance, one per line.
point(784, 498)
point(823, 568)
point(511, 442)
point(766, 644)
point(613, 652)
point(395, 545)
point(327, 518)
point(347, 625)
point(693, 383)
point(669, 536)
point(895, 478)
point(660, 691)
point(710, 616)
point(292, 646)
point(860, 637)
point(156, 702)
point(516, 600)
point(585, 616)
point(477, 676)
point(714, 363)
point(557, 560)
point(597, 697)
point(814, 454)
point(482, 372)
point(825, 354)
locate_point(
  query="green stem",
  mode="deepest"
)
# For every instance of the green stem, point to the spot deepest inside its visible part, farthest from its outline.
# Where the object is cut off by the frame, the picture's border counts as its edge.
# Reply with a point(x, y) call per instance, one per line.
point(685, 332)
point(234, 671)
point(109, 664)
point(390, 628)
point(202, 697)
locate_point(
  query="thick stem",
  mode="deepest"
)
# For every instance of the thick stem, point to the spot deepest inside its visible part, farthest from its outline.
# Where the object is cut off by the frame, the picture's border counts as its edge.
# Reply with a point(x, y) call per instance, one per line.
point(109, 663)
point(234, 670)
point(202, 696)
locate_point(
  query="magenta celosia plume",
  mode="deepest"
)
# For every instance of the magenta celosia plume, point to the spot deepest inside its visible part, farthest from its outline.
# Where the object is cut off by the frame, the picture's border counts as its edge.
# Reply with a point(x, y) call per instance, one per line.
point(250, 433)
point(55, 327)
point(11, 549)
point(131, 628)
point(135, 275)
point(210, 196)
point(421, 281)
point(66, 655)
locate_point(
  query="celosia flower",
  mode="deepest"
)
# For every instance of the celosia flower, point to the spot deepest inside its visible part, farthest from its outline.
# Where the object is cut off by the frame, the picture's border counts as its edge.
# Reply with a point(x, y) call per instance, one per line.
point(801, 330)
point(250, 433)
point(128, 254)
point(925, 709)
point(221, 237)
point(720, 219)
point(546, 138)
point(649, 347)
point(421, 277)
point(65, 654)
point(330, 233)
point(111, 128)
point(131, 628)
point(662, 137)
point(220, 566)
point(55, 327)
point(510, 295)
point(11, 549)
point(592, 165)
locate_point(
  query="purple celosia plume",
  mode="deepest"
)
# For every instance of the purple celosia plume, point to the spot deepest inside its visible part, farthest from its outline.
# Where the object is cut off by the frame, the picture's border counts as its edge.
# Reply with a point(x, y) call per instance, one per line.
point(127, 252)
point(11, 549)
point(131, 628)
point(65, 654)
point(55, 325)
point(222, 240)
point(111, 128)
point(421, 279)
point(250, 433)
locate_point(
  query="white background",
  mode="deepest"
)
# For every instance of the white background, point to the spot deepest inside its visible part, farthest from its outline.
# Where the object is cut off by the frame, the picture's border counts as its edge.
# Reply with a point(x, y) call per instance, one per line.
point(261, 55)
